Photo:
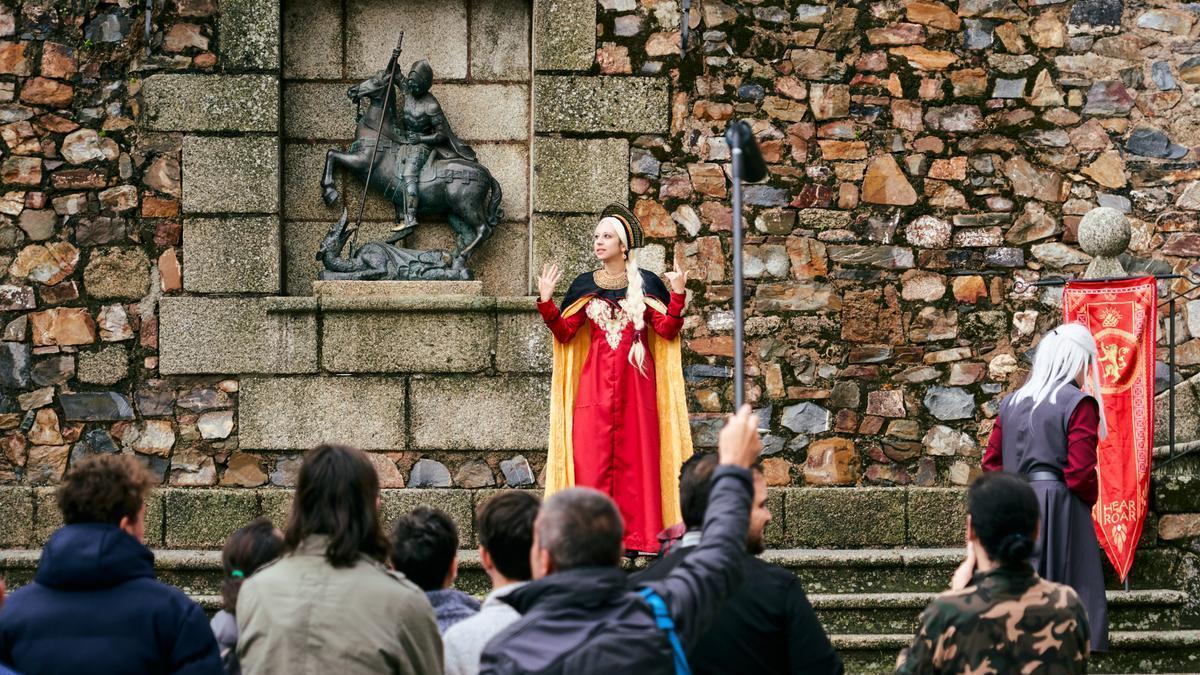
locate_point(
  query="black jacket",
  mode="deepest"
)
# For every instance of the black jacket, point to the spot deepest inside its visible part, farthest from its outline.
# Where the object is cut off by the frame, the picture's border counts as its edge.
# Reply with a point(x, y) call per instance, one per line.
point(767, 626)
point(592, 621)
point(95, 607)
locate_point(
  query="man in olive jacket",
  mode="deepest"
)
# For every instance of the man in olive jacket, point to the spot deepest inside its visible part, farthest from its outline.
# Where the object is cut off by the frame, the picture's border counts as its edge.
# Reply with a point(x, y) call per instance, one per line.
point(581, 616)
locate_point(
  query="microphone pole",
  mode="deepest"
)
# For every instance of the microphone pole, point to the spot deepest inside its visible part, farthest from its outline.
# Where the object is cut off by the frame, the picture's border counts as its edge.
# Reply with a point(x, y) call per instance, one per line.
point(747, 164)
point(739, 329)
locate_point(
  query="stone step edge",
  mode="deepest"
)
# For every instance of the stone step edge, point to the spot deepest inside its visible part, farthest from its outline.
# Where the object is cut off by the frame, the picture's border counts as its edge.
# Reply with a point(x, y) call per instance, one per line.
point(1120, 639)
point(890, 600)
point(876, 601)
point(187, 559)
point(179, 559)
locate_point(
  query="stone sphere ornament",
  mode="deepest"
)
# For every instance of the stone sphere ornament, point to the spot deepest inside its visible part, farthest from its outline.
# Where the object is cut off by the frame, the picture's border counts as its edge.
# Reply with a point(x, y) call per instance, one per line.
point(1104, 231)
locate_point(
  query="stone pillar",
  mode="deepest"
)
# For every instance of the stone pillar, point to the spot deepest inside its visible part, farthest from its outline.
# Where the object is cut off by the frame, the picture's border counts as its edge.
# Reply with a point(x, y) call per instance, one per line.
point(230, 161)
point(614, 109)
point(1104, 234)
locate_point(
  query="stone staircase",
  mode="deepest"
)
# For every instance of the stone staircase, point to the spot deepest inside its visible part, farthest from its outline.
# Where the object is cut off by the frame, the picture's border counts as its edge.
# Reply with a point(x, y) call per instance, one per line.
point(867, 599)
point(870, 558)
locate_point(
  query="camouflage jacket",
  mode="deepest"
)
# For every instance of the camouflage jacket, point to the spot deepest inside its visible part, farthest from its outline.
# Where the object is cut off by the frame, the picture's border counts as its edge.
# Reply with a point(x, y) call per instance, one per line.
point(1006, 621)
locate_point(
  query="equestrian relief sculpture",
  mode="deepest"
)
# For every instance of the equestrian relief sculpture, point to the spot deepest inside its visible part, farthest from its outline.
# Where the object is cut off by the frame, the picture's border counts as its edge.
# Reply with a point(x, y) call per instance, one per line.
point(418, 163)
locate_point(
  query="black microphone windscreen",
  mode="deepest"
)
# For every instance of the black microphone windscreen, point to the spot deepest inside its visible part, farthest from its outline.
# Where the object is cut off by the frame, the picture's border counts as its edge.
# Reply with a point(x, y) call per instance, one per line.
point(739, 135)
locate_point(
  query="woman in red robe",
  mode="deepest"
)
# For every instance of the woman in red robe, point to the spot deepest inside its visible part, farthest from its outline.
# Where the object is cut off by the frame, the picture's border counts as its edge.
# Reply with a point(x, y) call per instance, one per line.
point(627, 320)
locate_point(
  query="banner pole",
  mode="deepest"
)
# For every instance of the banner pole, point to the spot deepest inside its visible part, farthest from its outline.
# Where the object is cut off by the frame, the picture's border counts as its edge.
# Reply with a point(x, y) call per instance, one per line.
point(1171, 378)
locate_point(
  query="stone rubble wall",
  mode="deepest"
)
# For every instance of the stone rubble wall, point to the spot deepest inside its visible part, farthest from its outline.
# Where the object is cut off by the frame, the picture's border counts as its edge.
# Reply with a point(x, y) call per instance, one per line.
point(158, 217)
point(923, 157)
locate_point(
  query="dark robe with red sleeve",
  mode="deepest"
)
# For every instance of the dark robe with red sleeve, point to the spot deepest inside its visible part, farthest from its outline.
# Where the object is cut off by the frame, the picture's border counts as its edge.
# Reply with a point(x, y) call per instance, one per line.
point(1059, 437)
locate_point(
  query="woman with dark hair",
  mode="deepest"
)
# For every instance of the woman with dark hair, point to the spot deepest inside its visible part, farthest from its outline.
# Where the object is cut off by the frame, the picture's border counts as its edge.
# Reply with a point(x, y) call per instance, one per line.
point(331, 604)
point(999, 616)
point(245, 551)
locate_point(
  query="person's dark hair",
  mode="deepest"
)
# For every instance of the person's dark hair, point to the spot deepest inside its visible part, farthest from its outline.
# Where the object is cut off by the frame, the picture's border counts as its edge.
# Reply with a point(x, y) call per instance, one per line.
point(505, 526)
point(104, 489)
point(1004, 513)
point(695, 485)
point(337, 495)
point(424, 544)
point(581, 527)
point(245, 551)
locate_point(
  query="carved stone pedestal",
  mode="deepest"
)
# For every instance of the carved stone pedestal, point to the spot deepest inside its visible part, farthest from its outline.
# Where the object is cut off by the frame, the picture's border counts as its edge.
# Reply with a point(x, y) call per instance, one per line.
point(395, 289)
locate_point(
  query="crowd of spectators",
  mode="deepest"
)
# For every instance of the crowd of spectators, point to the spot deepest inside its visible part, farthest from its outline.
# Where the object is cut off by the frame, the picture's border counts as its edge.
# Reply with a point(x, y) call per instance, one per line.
point(331, 593)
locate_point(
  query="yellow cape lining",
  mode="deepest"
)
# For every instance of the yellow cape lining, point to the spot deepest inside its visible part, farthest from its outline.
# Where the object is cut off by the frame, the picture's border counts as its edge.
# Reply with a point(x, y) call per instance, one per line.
point(674, 432)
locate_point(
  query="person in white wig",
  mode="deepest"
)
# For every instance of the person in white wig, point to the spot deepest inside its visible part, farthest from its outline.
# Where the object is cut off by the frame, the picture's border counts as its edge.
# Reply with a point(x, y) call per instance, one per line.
point(1048, 431)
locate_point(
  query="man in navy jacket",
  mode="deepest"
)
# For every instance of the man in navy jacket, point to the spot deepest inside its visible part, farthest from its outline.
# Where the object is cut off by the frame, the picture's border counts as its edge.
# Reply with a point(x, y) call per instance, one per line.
point(581, 617)
point(94, 605)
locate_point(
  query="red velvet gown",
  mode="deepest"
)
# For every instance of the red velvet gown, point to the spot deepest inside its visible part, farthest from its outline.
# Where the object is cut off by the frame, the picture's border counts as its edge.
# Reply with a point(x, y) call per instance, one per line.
point(614, 437)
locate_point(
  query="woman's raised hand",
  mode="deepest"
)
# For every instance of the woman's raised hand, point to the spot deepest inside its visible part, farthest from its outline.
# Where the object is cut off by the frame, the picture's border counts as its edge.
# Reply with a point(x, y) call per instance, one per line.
point(678, 280)
point(548, 279)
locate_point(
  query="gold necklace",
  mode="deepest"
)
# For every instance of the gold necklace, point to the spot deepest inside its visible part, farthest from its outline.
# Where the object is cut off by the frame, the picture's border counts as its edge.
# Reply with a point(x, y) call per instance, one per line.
point(608, 281)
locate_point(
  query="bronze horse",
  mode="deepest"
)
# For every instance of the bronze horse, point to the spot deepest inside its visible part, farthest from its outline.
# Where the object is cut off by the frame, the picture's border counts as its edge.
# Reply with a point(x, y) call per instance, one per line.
point(463, 190)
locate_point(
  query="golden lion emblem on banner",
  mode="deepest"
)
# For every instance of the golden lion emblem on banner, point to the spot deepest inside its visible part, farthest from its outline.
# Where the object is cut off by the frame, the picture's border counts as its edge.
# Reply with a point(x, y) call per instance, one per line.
point(1118, 359)
point(1113, 360)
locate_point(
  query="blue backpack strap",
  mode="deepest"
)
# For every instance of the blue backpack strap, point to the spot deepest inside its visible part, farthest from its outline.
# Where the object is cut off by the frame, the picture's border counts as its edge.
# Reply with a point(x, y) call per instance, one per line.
point(665, 623)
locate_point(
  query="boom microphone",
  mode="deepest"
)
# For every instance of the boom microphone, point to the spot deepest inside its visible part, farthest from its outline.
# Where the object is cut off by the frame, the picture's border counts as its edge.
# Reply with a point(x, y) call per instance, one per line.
point(739, 135)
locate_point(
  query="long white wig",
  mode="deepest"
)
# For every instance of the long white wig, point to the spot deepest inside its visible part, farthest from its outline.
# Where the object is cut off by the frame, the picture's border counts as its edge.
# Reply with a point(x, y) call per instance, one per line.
point(634, 303)
point(1059, 358)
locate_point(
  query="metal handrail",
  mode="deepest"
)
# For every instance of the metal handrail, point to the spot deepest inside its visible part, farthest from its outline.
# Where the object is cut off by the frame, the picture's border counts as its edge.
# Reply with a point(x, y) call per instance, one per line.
point(1021, 285)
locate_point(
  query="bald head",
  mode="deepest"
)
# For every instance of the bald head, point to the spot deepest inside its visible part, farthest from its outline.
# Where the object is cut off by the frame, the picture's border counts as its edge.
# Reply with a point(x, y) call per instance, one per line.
point(578, 527)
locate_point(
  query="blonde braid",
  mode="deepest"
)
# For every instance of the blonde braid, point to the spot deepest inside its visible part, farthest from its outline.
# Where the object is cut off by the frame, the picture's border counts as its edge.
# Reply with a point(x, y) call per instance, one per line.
point(634, 305)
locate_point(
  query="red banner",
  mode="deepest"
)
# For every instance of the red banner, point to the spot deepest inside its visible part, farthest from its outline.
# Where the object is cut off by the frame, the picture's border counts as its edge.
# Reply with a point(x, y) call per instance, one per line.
point(1123, 318)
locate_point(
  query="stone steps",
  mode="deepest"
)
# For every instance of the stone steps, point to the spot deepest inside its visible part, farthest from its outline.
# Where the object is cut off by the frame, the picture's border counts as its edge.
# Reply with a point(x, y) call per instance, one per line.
point(917, 570)
point(1165, 651)
point(805, 518)
point(893, 573)
point(867, 599)
point(899, 578)
point(1155, 609)
point(843, 614)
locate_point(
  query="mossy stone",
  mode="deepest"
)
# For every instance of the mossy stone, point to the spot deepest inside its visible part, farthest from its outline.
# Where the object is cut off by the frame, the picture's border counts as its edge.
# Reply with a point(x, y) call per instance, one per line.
point(205, 518)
